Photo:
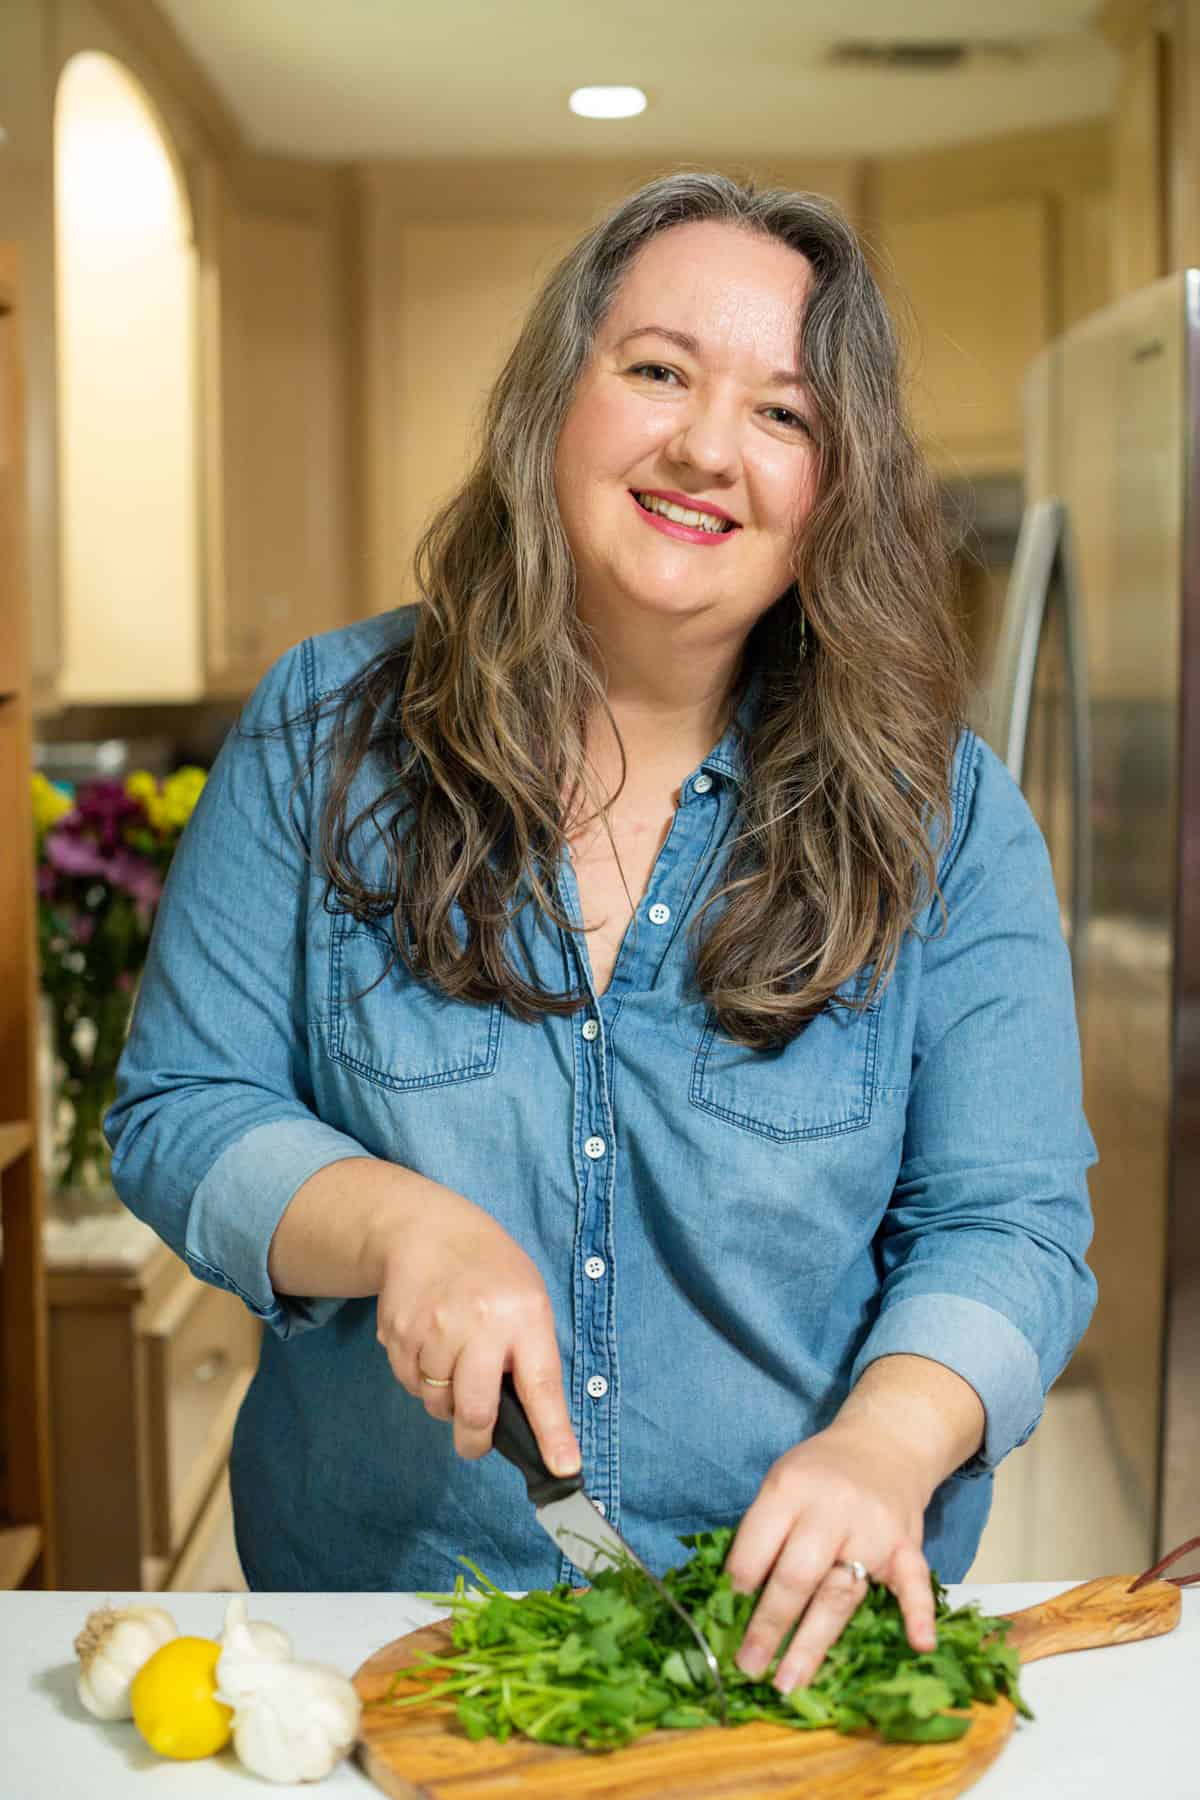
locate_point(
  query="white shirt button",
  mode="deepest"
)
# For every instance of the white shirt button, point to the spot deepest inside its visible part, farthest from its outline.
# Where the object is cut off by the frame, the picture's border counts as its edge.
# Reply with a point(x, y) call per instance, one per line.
point(594, 1266)
point(595, 1148)
point(659, 914)
point(597, 1386)
point(591, 1030)
point(702, 784)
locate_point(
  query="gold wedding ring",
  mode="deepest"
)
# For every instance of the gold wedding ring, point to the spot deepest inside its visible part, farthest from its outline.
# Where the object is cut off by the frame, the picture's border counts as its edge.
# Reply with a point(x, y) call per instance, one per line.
point(436, 1380)
point(857, 1569)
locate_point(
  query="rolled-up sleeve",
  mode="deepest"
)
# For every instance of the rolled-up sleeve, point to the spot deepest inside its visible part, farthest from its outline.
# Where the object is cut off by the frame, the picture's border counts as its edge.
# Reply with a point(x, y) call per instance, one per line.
point(982, 1247)
point(213, 1128)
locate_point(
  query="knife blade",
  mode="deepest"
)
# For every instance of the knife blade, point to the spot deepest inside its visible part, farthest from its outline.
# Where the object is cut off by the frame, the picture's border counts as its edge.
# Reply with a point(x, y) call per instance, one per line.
point(574, 1523)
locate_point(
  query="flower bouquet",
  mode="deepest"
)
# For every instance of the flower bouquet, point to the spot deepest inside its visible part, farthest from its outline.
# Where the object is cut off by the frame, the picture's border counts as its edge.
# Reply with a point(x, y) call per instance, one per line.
point(102, 855)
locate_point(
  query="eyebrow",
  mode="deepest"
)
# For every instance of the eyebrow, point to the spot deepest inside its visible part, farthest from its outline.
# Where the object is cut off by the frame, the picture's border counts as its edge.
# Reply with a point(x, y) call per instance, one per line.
point(685, 341)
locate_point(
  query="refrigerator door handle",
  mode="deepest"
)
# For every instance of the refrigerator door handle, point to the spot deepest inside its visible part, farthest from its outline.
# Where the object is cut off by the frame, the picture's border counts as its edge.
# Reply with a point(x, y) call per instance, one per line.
point(1081, 752)
point(1025, 608)
point(1044, 549)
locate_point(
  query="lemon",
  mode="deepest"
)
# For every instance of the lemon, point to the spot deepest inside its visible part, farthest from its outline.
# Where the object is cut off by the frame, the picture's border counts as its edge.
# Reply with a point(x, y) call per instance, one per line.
point(173, 1700)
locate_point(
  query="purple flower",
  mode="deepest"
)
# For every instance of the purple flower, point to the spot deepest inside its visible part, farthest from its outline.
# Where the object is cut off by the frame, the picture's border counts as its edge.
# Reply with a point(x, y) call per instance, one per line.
point(71, 854)
point(138, 878)
point(104, 808)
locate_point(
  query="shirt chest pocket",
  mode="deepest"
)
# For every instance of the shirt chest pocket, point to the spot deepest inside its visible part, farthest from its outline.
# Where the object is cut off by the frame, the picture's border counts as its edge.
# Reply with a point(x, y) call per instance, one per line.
point(820, 1085)
point(395, 1030)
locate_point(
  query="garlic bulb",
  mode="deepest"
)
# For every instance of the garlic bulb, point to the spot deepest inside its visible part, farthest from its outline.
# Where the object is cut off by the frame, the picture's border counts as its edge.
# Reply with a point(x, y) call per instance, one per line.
point(269, 1640)
point(111, 1648)
point(292, 1721)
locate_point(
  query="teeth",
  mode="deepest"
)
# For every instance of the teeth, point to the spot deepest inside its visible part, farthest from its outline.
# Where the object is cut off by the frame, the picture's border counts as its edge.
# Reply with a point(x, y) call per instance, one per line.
point(682, 515)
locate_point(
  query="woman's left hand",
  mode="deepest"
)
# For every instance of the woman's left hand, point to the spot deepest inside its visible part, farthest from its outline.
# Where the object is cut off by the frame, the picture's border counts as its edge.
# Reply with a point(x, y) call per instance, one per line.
point(845, 1495)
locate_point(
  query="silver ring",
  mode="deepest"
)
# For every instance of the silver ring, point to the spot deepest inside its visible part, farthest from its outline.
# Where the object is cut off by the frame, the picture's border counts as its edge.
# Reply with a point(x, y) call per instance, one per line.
point(436, 1380)
point(857, 1569)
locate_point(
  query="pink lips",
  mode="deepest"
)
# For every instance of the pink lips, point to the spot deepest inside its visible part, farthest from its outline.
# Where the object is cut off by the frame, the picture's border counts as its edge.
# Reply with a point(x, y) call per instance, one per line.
point(691, 534)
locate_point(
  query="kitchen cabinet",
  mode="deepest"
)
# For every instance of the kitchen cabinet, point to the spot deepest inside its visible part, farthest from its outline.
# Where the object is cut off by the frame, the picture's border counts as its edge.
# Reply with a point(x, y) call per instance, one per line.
point(979, 280)
point(26, 1522)
point(148, 1369)
point(986, 250)
point(275, 348)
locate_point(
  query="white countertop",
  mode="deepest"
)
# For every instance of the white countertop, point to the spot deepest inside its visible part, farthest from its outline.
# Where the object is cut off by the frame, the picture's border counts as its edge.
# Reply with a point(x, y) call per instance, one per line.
point(1110, 1723)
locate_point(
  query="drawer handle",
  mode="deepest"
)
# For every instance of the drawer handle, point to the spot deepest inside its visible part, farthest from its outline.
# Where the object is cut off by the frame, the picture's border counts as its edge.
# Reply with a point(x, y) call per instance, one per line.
point(211, 1367)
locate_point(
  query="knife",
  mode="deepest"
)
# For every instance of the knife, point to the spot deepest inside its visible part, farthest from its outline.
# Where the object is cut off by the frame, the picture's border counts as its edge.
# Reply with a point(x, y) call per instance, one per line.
point(574, 1523)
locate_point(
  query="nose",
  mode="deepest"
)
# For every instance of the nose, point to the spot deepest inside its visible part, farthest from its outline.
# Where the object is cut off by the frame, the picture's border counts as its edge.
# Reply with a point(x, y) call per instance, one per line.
point(708, 438)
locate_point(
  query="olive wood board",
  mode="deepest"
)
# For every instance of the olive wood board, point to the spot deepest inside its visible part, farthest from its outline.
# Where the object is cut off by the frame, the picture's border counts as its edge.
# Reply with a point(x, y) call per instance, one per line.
point(421, 1753)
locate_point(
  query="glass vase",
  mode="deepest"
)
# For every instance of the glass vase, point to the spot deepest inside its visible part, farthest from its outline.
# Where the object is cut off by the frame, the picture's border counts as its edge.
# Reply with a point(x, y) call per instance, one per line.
point(86, 1051)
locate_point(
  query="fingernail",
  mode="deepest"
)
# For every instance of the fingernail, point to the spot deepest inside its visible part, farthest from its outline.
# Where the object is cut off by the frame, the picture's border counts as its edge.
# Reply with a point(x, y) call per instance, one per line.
point(565, 1461)
point(752, 1663)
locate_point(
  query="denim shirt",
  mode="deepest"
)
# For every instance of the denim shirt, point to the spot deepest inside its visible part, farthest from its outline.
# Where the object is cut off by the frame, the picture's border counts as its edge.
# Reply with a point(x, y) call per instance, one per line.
point(728, 1237)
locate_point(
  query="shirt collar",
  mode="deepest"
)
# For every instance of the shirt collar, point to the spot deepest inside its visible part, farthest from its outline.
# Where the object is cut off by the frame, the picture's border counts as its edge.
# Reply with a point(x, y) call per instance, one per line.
point(727, 758)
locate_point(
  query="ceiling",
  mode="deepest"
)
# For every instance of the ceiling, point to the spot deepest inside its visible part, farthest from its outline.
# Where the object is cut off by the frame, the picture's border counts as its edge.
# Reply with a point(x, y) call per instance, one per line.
point(343, 80)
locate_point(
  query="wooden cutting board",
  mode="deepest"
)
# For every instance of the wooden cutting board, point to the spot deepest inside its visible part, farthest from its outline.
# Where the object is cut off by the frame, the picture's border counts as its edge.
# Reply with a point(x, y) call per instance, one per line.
point(420, 1753)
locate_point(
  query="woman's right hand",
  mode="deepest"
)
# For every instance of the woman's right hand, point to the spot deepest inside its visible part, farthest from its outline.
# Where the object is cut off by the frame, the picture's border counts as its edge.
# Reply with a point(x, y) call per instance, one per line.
point(459, 1298)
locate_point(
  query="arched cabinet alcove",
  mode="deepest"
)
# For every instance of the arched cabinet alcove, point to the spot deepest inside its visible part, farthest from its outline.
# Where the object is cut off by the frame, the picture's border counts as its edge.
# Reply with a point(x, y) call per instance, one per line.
point(129, 488)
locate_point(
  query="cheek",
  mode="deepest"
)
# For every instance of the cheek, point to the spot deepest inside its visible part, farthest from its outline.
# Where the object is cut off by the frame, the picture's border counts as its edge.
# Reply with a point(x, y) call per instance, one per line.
point(605, 435)
point(787, 494)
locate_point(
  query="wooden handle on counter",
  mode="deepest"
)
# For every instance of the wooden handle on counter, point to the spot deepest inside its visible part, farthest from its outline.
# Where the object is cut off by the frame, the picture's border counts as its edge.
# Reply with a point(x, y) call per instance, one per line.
point(1094, 1614)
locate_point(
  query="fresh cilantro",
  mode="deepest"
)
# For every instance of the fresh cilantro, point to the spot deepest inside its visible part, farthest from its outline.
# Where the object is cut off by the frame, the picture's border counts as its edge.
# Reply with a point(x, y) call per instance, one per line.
point(601, 1668)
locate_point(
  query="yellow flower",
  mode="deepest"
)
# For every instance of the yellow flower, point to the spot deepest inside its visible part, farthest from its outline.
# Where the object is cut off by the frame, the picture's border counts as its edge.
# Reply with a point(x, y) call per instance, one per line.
point(168, 807)
point(49, 803)
point(180, 794)
point(141, 785)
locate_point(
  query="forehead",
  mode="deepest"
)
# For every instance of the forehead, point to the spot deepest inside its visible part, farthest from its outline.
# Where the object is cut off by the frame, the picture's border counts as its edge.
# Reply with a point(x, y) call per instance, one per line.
point(713, 278)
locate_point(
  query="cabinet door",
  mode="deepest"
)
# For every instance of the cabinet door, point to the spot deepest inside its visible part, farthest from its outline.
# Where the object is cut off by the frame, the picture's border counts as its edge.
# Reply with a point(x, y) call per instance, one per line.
point(278, 541)
point(27, 561)
point(978, 281)
point(12, 592)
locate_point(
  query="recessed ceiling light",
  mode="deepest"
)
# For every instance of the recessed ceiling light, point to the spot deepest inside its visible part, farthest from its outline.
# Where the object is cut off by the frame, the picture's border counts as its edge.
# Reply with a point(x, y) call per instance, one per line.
point(607, 102)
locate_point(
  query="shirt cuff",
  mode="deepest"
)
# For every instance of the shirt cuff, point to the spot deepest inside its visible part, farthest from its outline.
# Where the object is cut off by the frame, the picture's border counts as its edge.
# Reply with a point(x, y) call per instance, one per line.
point(241, 1200)
point(979, 1344)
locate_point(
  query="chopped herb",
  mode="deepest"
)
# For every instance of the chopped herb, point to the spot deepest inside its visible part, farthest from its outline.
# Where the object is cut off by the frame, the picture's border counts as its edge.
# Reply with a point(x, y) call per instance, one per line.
point(600, 1668)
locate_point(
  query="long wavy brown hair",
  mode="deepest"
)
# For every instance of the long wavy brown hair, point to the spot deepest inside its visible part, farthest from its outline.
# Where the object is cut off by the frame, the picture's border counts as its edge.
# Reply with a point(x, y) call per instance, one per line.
point(476, 729)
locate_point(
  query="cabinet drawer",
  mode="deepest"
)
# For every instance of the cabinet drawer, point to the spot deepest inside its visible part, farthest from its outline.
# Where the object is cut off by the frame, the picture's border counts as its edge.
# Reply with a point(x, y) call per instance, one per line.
point(201, 1350)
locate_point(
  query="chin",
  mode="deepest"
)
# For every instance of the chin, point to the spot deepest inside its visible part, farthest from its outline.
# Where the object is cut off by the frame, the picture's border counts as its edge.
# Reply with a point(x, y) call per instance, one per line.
point(681, 601)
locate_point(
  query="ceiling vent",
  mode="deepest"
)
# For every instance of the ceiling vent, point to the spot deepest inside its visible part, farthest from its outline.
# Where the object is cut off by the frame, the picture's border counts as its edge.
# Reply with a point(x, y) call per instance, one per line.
point(925, 57)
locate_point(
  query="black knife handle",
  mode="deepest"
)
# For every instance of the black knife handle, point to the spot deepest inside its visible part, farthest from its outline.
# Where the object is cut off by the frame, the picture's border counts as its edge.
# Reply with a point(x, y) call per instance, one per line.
point(513, 1437)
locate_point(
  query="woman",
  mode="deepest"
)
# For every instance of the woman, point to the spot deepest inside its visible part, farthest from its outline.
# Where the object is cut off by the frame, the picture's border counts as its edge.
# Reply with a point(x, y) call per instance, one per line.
point(624, 969)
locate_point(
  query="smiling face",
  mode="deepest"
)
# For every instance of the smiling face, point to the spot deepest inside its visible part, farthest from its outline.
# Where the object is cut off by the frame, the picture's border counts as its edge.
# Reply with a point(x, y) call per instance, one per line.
point(686, 395)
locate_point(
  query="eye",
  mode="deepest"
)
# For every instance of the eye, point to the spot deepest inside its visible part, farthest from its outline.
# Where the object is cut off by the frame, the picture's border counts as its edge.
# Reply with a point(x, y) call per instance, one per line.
point(651, 369)
point(793, 419)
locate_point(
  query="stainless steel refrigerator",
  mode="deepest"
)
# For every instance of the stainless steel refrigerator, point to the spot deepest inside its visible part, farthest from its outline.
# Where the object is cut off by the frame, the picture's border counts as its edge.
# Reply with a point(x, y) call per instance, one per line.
point(1095, 707)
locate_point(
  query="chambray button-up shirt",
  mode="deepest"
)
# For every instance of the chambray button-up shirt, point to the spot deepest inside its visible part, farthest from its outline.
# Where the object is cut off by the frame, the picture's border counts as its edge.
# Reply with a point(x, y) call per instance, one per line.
point(728, 1237)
